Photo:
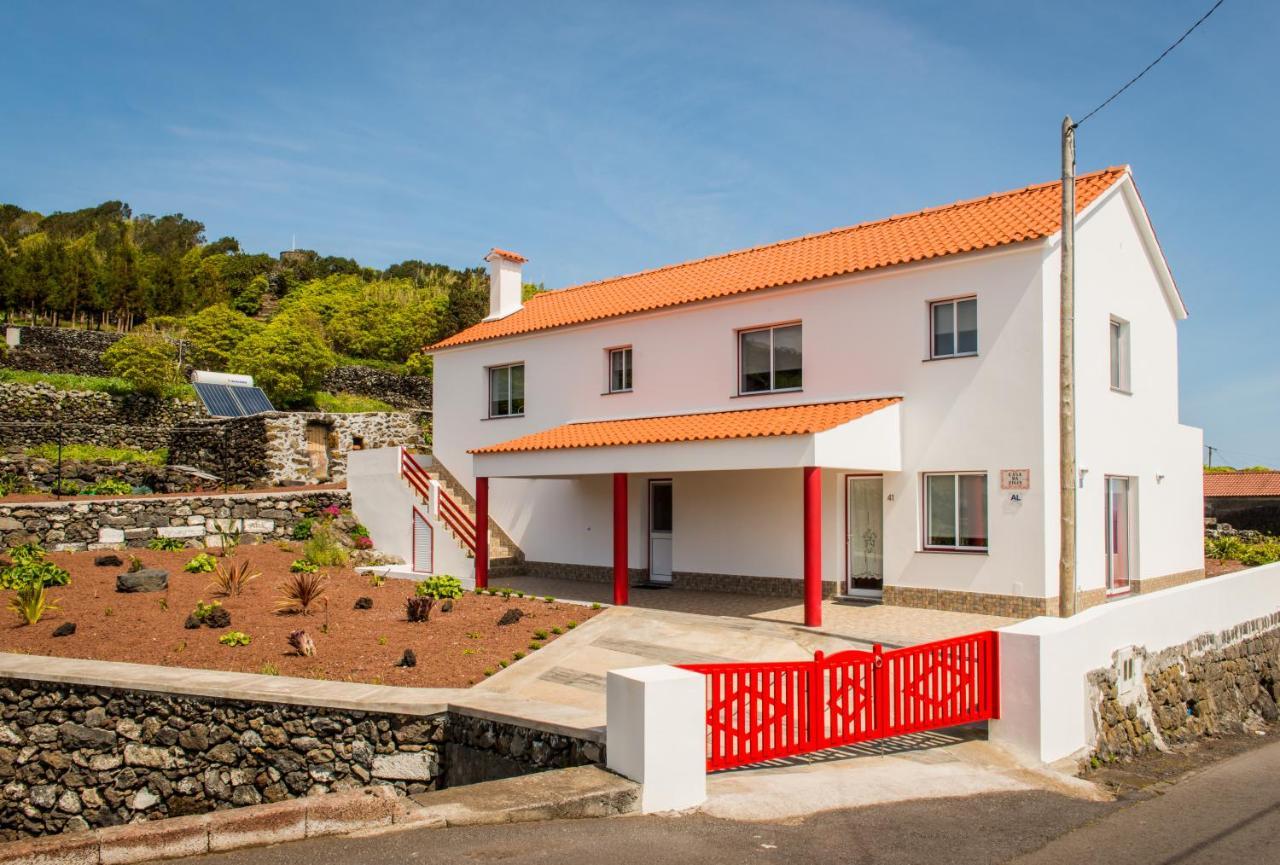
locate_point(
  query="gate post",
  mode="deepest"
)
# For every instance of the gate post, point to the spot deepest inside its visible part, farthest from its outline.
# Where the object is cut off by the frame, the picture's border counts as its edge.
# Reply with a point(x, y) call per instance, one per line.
point(880, 693)
point(817, 727)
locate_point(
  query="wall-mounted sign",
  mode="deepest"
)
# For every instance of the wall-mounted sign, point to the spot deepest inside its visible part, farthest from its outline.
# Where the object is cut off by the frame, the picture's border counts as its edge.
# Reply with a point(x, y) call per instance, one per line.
point(1015, 479)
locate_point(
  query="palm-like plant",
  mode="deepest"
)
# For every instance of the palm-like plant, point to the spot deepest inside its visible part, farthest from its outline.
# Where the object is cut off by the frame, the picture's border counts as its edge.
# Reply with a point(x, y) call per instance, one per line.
point(31, 603)
point(231, 580)
point(300, 592)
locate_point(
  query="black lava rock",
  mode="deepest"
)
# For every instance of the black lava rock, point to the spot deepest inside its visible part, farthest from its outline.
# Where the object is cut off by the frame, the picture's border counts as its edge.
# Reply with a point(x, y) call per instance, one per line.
point(110, 560)
point(408, 659)
point(218, 617)
point(66, 629)
point(364, 603)
point(192, 622)
point(145, 580)
point(511, 616)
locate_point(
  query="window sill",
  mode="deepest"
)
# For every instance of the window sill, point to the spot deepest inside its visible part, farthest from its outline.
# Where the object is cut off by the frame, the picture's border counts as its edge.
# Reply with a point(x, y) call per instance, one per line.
point(950, 357)
point(954, 552)
point(615, 392)
point(1122, 391)
point(503, 417)
point(767, 392)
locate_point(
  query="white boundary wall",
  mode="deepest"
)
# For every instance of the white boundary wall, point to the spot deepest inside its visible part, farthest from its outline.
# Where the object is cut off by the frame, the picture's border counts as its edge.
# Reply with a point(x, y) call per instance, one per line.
point(1045, 713)
point(657, 734)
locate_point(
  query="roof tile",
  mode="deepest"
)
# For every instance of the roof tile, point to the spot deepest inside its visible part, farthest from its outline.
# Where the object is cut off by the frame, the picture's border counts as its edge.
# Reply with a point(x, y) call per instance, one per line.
point(1231, 484)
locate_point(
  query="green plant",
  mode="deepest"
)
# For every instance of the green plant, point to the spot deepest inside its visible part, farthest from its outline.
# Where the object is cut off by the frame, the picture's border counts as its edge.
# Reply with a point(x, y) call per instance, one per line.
point(557, 631)
point(65, 488)
point(540, 634)
point(268, 669)
point(302, 529)
point(231, 581)
point(382, 641)
point(441, 587)
point(108, 487)
point(377, 578)
point(30, 603)
point(166, 544)
point(347, 403)
point(570, 625)
point(474, 635)
point(468, 651)
point(596, 607)
point(503, 663)
point(85, 453)
point(519, 594)
point(135, 564)
point(108, 612)
point(228, 542)
point(202, 563)
point(301, 592)
point(146, 360)
point(517, 655)
point(322, 548)
point(288, 358)
point(202, 610)
point(302, 566)
point(489, 672)
point(163, 603)
point(535, 646)
point(548, 599)
point(29, 567)
point(235, 638)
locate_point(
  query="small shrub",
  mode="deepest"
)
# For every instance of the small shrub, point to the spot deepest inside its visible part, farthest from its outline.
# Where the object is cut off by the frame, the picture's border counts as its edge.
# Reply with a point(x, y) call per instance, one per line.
point(31, 602)
point(302, 644)
point(231, 580)
point(596, 607)
point(135, 564)
point(364, 542)
point(65, 488)
point(302, 530)
point(489, 672)
point(31, 571)
point(235, 638)
point(377, 578)
point(322, 548)
point(441, 588)
point(301, 592)
point(108, 487)
point(517, 655)
point(165, 544)
point(382, 641)
point(202, 610)
point(503, 663)
point(557, 631)
point(331, 511)
point(570, 625)
point(203, 563)
point(534, 646)
point(539, 634)
point(228, 542)
point(268, 669)
point(548, 599)
point(302, 566)
point(108, 612)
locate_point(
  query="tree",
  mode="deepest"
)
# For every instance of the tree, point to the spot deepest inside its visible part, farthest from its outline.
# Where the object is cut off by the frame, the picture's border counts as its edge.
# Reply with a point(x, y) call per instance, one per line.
point(288, 358)
point(146, 360)
point(215, 334)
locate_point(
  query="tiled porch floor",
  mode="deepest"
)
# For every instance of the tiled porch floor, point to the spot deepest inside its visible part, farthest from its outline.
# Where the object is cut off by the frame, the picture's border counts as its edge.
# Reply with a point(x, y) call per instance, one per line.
point(892, 626)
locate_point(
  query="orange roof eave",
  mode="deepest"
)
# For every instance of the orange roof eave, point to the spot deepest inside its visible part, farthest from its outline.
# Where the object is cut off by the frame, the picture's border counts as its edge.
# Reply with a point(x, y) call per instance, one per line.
point(706, 426)
point(1029, 213)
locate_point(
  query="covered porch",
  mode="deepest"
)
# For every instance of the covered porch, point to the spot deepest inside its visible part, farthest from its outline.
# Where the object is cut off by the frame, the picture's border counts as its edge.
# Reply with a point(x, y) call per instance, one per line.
point(707, 498)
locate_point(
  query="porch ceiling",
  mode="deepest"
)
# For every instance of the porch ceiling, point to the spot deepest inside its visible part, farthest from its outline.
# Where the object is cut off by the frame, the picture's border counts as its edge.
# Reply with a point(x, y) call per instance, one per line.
point(855, 434)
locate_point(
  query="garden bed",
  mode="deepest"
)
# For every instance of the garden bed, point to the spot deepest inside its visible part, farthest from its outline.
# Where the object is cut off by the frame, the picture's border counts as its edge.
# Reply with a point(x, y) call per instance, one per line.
point(453, 649)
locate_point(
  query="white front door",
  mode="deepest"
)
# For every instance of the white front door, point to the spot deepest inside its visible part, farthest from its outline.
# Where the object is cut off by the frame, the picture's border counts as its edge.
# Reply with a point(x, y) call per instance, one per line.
point(660, 523)
point(864, 535)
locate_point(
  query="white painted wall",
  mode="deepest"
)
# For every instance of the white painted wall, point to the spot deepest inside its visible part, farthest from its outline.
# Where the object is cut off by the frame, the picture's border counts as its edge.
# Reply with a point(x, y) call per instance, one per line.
point(384, 502)
point(1044, 709)
point(657, 734)
point(864, 336)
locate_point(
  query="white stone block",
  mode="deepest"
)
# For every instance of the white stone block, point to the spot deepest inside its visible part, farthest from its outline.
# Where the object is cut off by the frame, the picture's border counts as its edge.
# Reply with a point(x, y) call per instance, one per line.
point(180, 531)
point(110, 536)
point(225, 524)
point(419, 766)
point(657, 734)
point(260, 527)
point(195, 521)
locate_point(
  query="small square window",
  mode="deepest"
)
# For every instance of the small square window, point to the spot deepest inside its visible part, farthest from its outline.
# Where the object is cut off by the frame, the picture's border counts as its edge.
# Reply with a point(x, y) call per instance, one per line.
point(506, 390)
point(953, 328)
point(1120, 355)
point(769, 359)
point(619, 370)
point(955, 511)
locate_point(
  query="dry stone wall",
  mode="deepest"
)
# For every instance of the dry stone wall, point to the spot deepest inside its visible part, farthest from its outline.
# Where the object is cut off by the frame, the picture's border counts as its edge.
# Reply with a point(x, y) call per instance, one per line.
point(131, 522)
point(32, 414)
point(401, 391)
point(1217, 683)
point(41, 475)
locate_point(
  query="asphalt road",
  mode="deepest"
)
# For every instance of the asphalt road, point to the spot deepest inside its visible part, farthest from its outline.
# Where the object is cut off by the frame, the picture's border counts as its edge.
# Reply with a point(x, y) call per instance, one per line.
point(1227, 813)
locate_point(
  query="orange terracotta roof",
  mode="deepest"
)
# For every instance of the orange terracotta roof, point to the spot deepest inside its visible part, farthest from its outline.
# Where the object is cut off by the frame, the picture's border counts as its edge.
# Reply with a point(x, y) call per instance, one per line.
point(508, 255)
point(710, 426)
point(982, 223)
point(1241, 484)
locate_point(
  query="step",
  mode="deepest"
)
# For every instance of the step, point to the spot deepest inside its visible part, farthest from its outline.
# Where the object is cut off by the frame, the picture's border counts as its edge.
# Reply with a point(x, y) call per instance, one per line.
point(557, 794)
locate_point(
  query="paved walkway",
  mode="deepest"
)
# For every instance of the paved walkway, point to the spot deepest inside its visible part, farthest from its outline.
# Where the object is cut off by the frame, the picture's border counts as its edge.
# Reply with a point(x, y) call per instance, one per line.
point(879, 623)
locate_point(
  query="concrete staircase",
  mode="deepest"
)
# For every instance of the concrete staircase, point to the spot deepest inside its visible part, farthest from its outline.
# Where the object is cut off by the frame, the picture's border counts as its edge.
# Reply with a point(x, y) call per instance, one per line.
point(505, 558)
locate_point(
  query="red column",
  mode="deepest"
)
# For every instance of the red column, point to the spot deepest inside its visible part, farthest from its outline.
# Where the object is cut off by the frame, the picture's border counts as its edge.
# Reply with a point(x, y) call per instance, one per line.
point(621, 576)
point(812, 546)
point(482, 533)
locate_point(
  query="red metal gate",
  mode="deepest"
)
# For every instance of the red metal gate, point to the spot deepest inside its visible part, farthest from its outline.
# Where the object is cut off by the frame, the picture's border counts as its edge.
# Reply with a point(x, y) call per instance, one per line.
point(762, 711)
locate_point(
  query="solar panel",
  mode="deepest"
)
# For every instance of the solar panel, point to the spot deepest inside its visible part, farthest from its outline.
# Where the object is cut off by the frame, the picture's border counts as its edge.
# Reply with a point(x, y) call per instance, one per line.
point(229, 401)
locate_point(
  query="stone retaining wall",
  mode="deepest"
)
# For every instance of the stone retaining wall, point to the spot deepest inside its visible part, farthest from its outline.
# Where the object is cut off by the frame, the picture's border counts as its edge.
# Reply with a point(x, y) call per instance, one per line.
point(32, 414)
point(131, 522)
point(42, 475)
point(76, 756)
point(401, 391)
point(1214, 684)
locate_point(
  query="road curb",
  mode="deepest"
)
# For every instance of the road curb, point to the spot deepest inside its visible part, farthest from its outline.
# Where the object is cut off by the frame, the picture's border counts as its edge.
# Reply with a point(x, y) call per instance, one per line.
point(219, 831)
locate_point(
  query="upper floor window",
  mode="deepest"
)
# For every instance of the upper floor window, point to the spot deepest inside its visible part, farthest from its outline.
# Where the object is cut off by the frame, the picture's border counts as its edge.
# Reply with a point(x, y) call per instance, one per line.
point(1120, 355)
point(954, 327)
point(955, 511)
point(506, 390)
point(769, 359)
point(619, 370)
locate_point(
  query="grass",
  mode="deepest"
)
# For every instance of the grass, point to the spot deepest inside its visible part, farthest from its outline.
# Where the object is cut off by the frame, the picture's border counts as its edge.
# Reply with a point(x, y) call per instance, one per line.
point(97, 453)
point(101, 384)
point(347, 403)
point(371, 362)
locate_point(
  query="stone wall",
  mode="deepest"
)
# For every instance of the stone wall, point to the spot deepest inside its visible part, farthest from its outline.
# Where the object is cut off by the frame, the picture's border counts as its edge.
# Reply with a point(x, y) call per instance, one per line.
point(41, 475)
point(55, 349)
point(76, 756)
point(1217, 683)
point(199, 520)
point(32, 414)
point(287, 457)
point(1250, 513)
point(401, 391)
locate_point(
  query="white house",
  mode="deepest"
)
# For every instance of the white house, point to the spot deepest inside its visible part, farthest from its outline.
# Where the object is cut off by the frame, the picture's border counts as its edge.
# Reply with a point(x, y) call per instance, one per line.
point(870, 411)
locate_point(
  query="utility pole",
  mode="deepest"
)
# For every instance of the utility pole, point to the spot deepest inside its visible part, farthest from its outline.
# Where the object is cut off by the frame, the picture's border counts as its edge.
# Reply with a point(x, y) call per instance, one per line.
point(1067, 380)
point(1211, 449)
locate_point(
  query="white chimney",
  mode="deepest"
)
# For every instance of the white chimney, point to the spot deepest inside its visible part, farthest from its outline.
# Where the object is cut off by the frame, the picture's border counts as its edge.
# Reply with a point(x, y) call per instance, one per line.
point(505, 283)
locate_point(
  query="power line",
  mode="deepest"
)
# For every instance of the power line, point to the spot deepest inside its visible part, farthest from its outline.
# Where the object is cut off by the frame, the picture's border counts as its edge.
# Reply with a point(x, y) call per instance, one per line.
point(1150, 66)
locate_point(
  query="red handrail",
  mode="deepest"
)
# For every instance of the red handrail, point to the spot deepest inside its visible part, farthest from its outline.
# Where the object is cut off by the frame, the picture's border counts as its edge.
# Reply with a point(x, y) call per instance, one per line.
point(452, 514)
point(763, 711)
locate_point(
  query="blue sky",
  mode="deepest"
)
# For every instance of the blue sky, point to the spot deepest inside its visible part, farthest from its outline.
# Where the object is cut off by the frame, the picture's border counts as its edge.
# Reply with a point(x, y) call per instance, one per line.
point(600, 138)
